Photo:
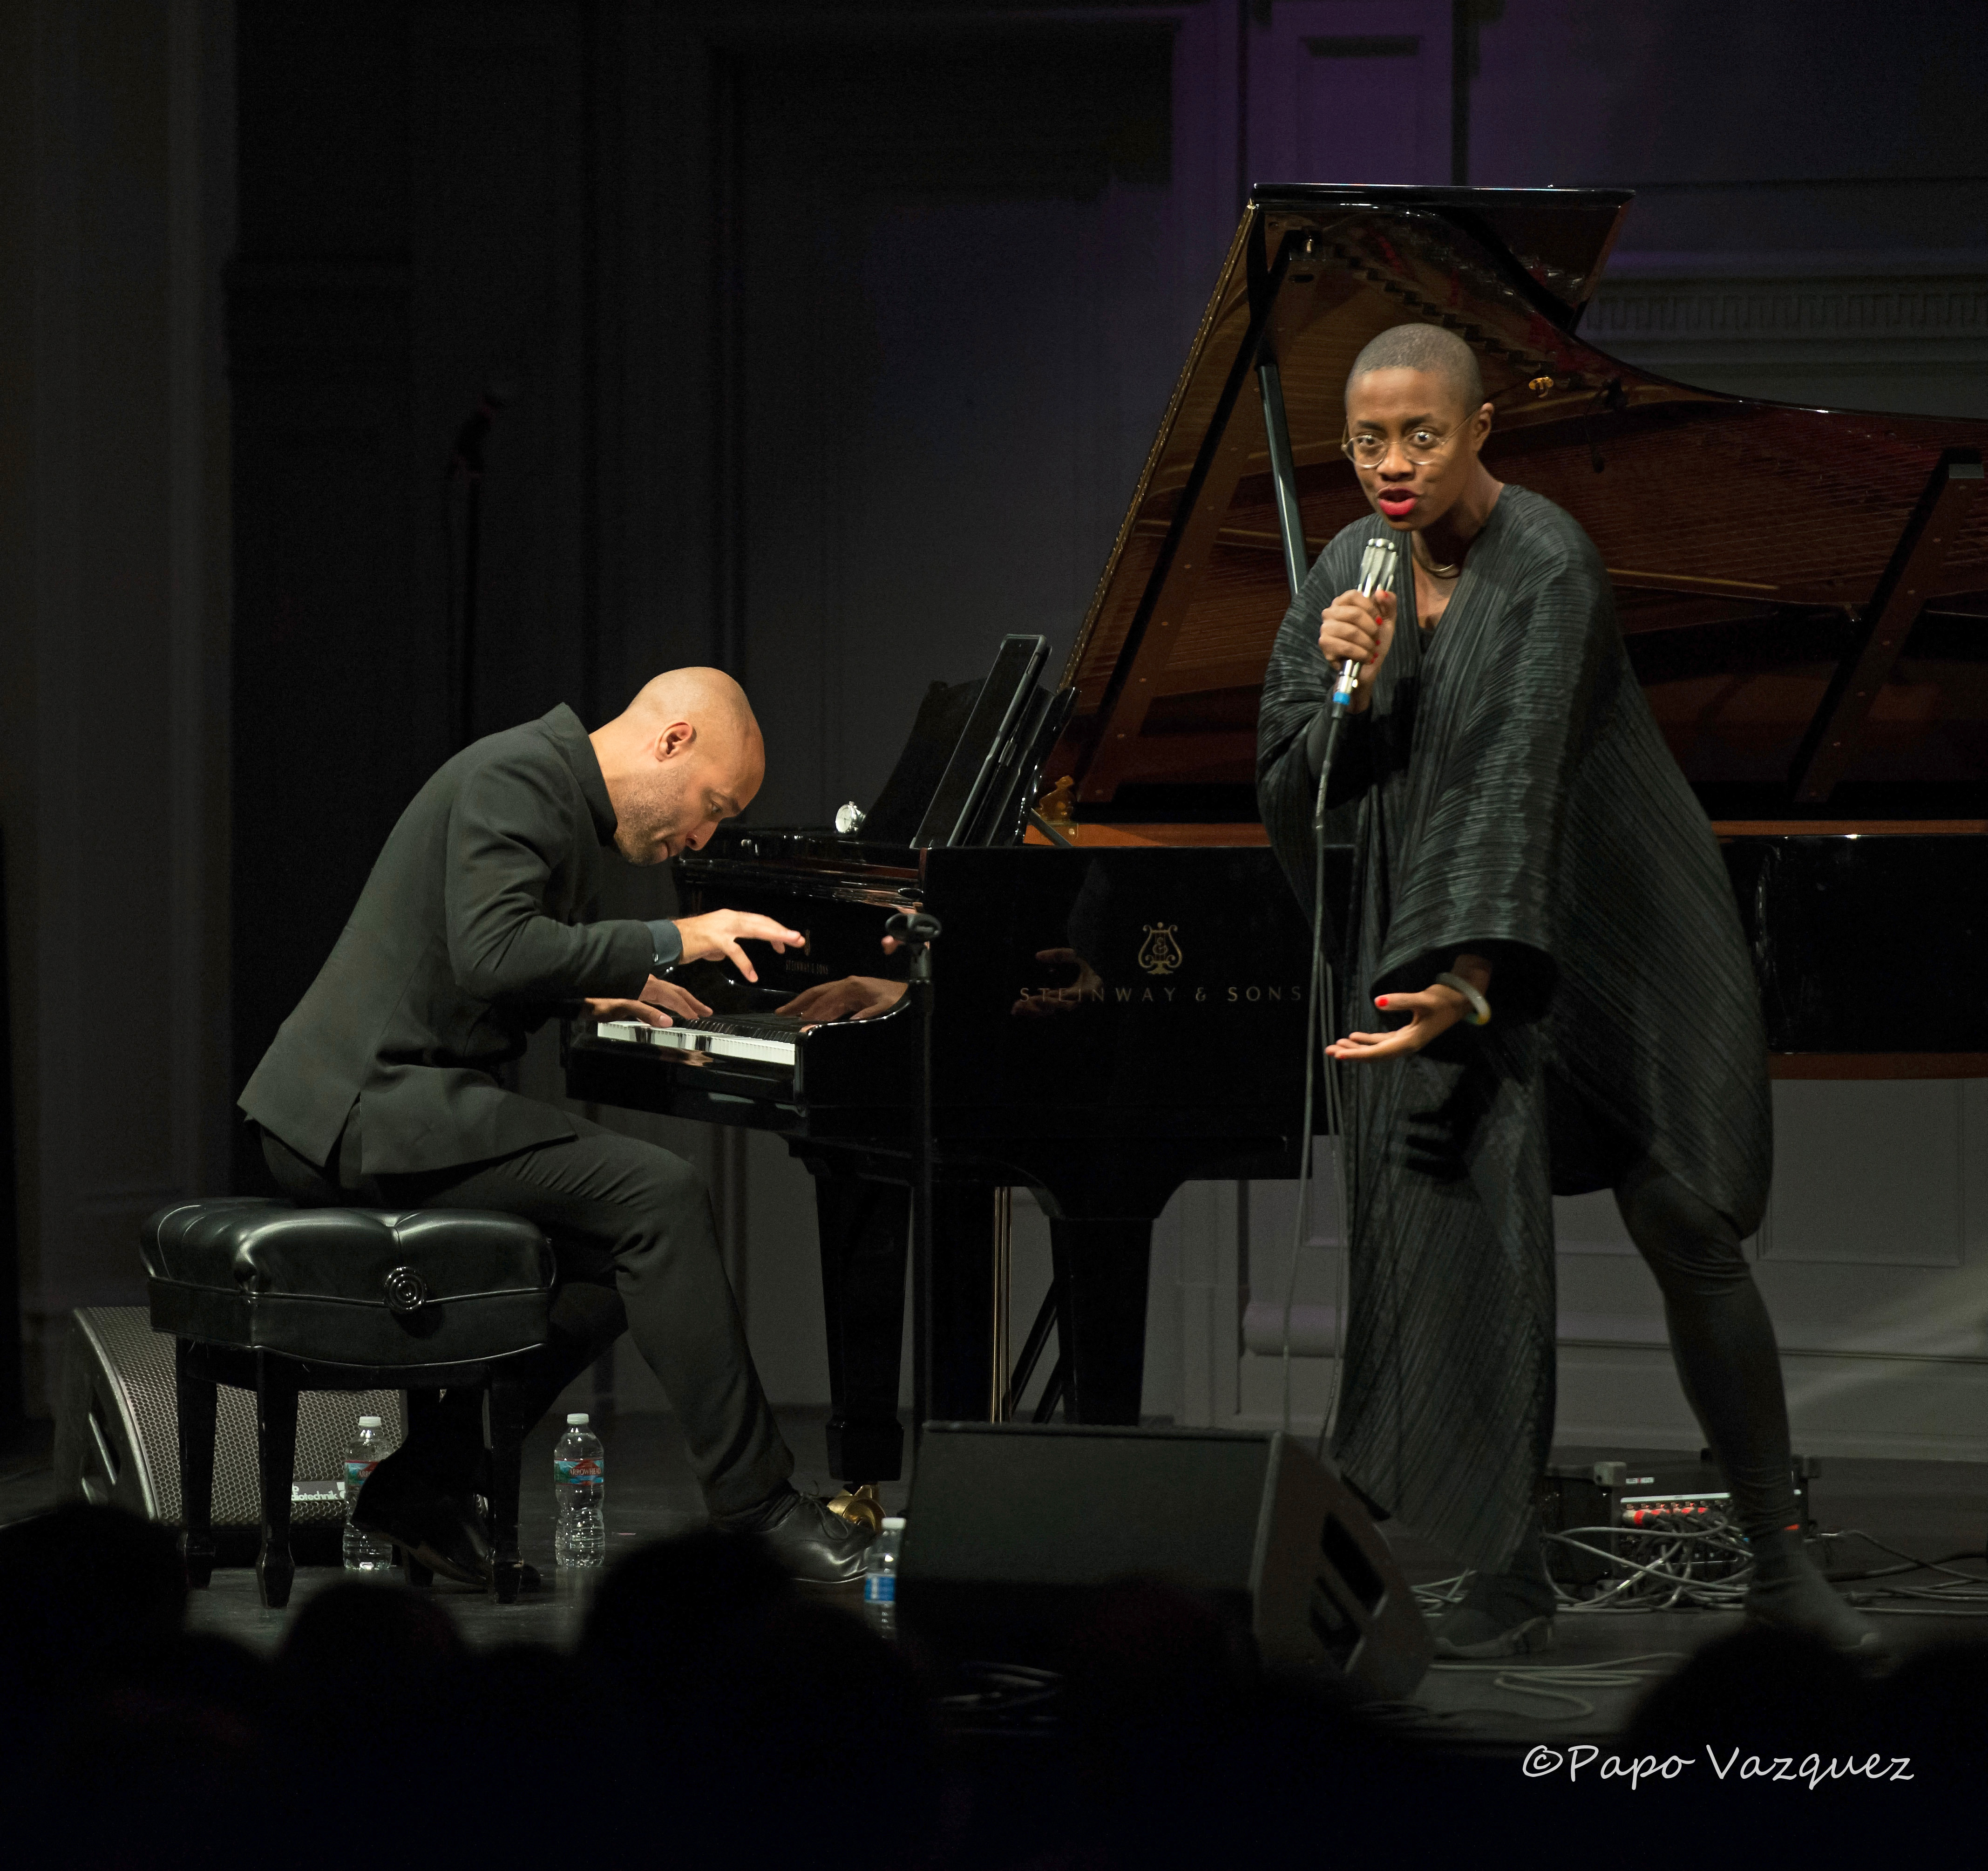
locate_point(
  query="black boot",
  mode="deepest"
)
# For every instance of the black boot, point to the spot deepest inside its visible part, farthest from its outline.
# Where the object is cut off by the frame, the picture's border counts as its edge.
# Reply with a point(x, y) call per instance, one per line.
point(1508, 1613)
point(806, 1541)
point(1789, 1593)
point(422, 1496)
point(440, 1529)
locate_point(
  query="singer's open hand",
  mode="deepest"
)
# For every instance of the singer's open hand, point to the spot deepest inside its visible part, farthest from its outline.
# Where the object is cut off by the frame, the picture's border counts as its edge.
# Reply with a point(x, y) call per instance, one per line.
point(1364, 629)
point(1435, 1010)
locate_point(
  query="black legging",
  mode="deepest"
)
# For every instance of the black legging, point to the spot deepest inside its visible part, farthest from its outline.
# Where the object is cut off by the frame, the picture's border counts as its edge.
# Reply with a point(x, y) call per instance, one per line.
point(1721, 1338)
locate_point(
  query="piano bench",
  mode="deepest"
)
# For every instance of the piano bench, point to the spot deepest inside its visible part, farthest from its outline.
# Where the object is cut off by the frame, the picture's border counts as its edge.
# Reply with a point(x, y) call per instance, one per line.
point(270, 1298)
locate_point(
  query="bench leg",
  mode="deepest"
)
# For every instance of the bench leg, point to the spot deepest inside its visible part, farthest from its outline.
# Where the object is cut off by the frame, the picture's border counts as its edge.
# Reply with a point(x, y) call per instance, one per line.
point(197, 1399)
point(276, 1462)
point(507, 1456)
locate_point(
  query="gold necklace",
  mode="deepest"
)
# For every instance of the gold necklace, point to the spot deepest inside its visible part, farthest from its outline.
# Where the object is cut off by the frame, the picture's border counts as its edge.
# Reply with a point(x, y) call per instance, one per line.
point(1436, 570)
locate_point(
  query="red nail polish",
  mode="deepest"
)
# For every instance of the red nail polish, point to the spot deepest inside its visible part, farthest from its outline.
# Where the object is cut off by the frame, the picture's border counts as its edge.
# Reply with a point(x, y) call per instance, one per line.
point(1381, 1001)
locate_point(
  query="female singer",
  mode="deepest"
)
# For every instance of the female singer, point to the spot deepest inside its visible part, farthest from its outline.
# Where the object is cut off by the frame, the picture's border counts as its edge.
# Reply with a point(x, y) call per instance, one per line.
point(1538, 892)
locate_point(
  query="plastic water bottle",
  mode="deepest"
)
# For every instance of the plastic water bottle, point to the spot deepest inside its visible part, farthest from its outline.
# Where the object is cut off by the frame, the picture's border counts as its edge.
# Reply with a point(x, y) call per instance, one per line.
point(579, 1487)
point(880, 1578)
point(364, 1552)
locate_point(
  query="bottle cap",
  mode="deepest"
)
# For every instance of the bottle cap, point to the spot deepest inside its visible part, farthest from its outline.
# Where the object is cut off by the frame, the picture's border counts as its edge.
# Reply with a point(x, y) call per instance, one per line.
point(369, 1422)
point(894, 1523)
point(578, 1416)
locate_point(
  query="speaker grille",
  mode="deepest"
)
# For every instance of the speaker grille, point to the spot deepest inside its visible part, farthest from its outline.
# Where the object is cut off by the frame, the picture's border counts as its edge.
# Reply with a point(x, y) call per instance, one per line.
point(125, 1445)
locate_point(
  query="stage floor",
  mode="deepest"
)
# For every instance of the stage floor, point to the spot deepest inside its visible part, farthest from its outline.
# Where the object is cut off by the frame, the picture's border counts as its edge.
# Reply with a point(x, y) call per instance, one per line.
point(1930, 1509)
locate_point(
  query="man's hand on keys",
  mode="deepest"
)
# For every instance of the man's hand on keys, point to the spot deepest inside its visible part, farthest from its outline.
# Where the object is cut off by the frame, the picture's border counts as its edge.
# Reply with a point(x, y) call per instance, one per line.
point(721, 931)
point(656, 996)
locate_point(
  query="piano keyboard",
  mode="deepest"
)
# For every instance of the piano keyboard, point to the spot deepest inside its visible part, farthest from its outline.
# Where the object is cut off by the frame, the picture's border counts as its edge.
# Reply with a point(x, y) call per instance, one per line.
point(769, 1038)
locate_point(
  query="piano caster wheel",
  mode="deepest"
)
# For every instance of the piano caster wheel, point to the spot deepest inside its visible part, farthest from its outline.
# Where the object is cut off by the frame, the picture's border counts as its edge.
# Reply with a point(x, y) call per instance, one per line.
point(860, 1505)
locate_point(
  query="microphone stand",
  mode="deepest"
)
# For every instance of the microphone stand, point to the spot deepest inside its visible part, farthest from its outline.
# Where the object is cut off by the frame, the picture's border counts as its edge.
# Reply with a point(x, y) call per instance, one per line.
point(914, 933)
point(1377, 573)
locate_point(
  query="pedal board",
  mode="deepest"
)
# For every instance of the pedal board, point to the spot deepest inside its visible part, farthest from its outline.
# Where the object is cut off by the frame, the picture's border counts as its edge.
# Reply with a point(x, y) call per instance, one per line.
point(1646, 1497)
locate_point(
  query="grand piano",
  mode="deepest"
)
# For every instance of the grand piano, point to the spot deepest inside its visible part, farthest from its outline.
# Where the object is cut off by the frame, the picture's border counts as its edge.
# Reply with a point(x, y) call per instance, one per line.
point(1804, 595)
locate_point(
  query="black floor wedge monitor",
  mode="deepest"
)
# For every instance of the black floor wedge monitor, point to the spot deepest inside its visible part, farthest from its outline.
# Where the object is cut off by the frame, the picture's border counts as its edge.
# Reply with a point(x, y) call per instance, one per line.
point(1014, 1531)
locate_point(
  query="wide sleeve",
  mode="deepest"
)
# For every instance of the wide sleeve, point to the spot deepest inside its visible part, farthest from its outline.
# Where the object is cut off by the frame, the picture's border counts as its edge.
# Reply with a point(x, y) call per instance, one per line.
point(1296, 685)
point(1512, 713)
point(509, 829)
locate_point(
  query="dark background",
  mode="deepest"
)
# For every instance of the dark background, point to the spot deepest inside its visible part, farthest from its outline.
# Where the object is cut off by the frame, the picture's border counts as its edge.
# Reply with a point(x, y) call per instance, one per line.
point(823, 344)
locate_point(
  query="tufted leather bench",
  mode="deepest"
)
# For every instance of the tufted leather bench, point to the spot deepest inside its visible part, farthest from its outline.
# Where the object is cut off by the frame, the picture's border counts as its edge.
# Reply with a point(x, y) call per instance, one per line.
point(277, 1300)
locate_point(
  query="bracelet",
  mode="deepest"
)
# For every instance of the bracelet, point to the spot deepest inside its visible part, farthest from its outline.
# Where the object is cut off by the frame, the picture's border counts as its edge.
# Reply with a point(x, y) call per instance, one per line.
point(1480, 1008)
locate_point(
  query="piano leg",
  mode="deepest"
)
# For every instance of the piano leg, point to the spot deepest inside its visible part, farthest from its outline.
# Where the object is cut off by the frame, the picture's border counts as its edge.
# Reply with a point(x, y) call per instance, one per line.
point(1101, 1321)
point(864, 1243)
point(865, 1229)
point(964, 1253)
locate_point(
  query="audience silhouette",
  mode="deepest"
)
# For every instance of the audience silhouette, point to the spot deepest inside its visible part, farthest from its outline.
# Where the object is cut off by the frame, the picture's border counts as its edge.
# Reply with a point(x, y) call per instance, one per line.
point(711, 1710)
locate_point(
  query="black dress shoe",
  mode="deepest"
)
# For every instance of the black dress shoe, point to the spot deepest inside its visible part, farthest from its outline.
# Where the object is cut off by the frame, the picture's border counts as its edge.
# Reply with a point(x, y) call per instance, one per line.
point(807, 1542)
point(441, 1530)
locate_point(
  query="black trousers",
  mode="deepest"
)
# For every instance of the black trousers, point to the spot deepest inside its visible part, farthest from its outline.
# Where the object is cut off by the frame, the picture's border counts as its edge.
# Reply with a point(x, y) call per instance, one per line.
point(1722, 1340)
point(637, 1250)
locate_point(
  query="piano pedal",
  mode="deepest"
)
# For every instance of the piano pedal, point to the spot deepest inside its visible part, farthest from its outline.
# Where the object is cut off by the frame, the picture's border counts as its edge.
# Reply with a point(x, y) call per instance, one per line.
point(860, 1505)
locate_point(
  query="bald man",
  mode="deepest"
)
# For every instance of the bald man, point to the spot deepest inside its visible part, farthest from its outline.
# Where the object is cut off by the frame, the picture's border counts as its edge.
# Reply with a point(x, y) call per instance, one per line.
point(476, 925)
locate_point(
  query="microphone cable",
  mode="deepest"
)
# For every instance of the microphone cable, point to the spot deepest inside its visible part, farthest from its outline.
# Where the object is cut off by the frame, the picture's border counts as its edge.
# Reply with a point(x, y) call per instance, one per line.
point(1377, 573)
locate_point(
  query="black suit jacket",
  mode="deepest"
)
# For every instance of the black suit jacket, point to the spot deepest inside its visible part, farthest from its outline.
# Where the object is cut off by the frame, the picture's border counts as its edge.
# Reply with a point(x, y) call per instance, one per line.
point(474, 927)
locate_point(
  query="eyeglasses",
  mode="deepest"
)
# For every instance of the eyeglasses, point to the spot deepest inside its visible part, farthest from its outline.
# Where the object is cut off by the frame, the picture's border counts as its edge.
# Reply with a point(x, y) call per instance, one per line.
point(1419, 448)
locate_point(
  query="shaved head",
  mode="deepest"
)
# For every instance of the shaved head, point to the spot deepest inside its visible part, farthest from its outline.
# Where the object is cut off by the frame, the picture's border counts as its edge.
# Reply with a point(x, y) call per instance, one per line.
point(708, 697)
point(1416, 424)
point(1429, 349)
point(684, 755)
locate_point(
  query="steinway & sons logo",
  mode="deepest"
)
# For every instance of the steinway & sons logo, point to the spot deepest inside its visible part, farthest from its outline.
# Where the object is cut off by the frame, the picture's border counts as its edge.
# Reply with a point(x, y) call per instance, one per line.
point(1161, 954)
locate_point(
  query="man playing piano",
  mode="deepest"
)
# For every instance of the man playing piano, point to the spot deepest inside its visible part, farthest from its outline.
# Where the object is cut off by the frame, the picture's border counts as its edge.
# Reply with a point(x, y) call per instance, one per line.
point(477, 923)
point(1537, 891)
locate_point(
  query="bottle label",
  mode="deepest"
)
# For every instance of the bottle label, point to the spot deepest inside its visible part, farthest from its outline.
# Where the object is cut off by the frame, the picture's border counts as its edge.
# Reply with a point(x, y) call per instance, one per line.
point(355, 1475)
point(880, 1588)
point(584, 1472)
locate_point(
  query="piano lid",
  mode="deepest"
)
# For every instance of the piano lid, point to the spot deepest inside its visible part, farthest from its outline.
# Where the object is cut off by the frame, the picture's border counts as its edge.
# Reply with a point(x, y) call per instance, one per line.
point(1805, 592)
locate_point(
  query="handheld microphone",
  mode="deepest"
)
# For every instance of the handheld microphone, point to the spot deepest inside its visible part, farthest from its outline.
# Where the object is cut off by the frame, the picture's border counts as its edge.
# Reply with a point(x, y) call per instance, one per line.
point(1377, 573)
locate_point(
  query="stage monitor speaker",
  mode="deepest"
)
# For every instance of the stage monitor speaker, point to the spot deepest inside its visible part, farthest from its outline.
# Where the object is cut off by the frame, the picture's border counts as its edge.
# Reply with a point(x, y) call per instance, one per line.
point(1014, 1530)
point(117, 1436)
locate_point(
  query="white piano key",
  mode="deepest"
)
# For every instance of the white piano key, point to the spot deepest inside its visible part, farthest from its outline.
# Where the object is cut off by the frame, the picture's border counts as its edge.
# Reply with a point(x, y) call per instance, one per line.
point(690, 1039)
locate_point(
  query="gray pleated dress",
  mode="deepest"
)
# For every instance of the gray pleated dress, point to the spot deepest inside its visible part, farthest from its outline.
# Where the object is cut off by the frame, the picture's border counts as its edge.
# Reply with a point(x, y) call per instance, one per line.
point(1508, 793)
